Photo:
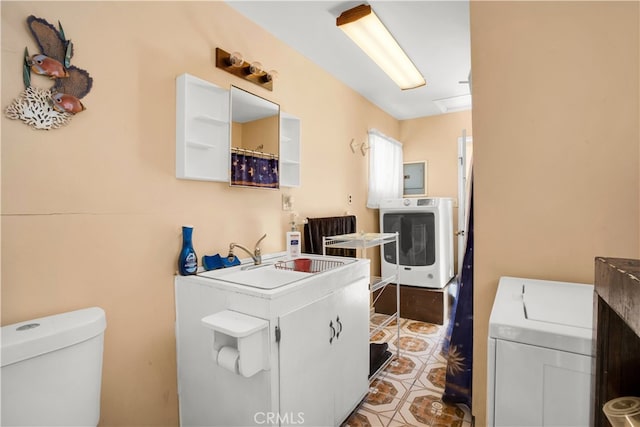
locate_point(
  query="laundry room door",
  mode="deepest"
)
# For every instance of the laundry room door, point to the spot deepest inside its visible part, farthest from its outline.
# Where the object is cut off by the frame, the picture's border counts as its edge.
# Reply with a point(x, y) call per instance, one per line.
point(465, 151)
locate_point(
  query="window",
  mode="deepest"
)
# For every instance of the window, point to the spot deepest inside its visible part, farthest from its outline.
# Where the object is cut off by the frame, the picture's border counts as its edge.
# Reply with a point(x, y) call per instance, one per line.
point(385, 169)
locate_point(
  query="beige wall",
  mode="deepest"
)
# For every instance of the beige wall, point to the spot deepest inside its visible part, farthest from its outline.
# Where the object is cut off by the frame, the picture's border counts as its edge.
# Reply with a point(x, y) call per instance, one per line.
point(556, 146)
point(236, 134)
point(434, 139)
point(91, 213)
point(252, 134)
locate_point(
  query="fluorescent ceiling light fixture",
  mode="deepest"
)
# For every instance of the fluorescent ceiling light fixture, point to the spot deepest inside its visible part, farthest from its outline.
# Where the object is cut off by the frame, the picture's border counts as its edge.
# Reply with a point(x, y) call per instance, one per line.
point(370, 34)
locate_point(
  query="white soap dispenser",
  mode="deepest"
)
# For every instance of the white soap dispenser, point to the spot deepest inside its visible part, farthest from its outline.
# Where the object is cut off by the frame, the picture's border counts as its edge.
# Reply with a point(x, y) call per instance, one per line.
point(293, 241)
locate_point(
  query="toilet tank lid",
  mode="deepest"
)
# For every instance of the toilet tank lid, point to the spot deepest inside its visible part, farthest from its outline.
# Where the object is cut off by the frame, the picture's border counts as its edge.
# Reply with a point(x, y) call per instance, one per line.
point(35, 337)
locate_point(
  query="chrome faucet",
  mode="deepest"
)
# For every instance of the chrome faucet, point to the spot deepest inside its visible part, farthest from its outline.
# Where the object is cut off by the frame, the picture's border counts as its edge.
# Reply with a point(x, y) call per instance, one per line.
point(256, 255)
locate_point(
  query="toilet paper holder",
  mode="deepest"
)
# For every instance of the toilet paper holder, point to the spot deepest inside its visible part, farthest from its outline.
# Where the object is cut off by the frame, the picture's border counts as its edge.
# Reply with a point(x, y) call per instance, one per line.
point(244, 339)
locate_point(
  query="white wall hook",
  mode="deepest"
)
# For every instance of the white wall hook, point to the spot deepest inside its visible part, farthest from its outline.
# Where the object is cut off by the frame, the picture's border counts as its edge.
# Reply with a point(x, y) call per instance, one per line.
point(353, 145)
point(364, 148)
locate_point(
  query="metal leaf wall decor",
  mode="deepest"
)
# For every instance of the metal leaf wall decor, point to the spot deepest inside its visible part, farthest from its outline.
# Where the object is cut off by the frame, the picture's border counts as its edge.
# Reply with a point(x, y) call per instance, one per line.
point(53, 107)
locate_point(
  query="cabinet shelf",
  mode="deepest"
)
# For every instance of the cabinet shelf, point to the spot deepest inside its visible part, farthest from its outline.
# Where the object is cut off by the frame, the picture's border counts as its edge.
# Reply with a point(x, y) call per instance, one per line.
point(211, 119)
point(364, 241)
point(202, 145)
point(289, 162)
point(290, 150)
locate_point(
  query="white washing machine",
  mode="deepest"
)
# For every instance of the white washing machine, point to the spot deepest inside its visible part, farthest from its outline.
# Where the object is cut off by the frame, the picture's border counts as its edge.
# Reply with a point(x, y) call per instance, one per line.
point(540, 354)
point(425, 234)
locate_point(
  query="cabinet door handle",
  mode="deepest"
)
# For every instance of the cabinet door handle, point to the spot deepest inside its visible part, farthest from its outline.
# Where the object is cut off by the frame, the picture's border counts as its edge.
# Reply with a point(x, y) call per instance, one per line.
point(333, 332)
point(340, 325)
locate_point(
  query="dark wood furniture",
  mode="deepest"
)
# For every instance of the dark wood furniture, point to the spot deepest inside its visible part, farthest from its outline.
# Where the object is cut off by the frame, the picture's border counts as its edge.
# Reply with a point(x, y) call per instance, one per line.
point(416, 303)
point(616, 323)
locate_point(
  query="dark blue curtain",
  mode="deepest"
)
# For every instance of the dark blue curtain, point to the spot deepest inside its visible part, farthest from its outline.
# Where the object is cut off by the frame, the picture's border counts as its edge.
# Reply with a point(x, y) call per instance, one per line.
point(458, 349)
point(254, 171)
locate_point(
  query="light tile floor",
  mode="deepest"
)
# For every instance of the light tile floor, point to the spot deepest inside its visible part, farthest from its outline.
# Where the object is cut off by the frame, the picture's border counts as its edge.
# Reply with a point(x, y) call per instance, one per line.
point(409, 391)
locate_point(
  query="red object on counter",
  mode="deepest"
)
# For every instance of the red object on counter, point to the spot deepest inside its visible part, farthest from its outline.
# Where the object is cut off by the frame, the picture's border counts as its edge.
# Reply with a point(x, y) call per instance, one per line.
point(302, 264)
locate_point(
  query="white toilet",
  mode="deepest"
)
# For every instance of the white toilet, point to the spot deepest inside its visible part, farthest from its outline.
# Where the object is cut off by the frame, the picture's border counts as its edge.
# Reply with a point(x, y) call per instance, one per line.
point(51, 370)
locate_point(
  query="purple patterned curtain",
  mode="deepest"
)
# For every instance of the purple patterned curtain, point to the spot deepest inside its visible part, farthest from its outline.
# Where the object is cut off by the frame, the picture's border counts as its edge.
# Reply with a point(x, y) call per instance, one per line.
point(458, 349)
point(254, 171)
point(272, 176)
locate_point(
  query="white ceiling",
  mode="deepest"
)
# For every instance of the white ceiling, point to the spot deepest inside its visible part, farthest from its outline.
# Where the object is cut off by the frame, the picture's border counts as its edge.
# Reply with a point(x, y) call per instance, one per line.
point(435, 35)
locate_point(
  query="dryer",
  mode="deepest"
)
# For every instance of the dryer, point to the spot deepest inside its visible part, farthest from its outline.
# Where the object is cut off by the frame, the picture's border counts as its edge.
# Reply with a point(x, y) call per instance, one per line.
point(425, 235)
point(540, 354)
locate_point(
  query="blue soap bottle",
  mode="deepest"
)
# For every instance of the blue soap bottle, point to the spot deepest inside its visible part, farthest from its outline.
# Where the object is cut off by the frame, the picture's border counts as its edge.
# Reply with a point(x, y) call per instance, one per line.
point(188, 260)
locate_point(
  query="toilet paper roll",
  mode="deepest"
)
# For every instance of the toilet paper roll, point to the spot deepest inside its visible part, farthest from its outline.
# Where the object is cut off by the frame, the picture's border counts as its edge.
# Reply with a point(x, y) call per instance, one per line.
point(228, 359)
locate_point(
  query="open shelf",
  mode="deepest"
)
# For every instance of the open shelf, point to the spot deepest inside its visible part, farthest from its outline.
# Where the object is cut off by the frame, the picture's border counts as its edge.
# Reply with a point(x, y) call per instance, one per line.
point(202, 130)
point(289, 150)
point(360, 240)
point(386, 363)
point(380, 282)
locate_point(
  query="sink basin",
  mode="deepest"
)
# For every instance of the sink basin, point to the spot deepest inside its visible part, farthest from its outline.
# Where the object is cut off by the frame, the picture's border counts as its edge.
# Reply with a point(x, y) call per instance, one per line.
point(262, 277)
point(272, 276)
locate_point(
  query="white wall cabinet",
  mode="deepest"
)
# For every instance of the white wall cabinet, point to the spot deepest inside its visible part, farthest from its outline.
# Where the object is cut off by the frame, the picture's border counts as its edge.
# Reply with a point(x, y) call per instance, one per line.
point(289, 150)
point(202, 130)
point(202, 134)
point(317, 343)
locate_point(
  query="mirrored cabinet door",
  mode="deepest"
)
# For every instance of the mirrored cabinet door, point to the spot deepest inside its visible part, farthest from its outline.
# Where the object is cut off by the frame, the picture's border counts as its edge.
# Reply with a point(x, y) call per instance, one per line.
point(202, 130)
point(255, 135)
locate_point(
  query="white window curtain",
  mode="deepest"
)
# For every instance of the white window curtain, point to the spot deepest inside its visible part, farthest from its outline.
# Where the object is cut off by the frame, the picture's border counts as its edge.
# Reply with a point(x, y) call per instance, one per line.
point(385, 168)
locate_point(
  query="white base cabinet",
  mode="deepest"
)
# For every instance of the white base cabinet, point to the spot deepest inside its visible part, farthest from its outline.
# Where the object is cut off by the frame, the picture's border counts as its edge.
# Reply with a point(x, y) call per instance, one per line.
point(316, 353)
point(323, 356)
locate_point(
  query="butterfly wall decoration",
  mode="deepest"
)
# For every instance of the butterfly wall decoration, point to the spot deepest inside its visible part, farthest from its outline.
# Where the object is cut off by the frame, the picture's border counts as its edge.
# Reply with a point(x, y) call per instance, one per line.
point(53, 107)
